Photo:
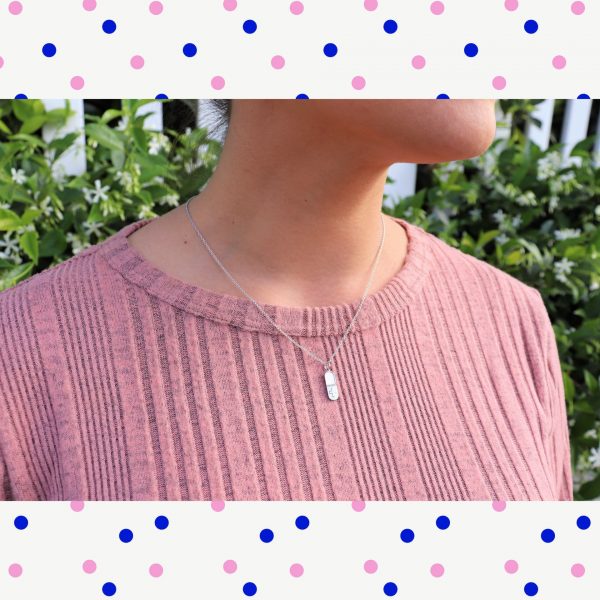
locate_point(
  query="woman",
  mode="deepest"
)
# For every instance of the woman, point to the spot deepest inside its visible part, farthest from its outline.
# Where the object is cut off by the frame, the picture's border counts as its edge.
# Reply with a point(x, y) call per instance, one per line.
point(347, 354)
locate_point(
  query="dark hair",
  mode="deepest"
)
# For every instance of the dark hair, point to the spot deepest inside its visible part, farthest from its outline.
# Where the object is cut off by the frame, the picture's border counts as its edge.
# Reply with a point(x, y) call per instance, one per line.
point(222, 108)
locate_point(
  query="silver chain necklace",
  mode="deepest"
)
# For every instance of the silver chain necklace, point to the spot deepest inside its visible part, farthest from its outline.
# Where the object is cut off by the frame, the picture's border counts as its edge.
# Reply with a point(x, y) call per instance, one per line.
point(330, 378)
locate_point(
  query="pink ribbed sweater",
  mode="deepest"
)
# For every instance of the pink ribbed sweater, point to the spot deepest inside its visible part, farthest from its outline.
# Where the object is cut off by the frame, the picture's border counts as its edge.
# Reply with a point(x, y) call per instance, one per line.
point(120, 382)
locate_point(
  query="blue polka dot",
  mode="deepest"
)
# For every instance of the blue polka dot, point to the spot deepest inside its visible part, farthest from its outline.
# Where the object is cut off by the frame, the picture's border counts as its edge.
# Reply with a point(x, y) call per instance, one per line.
point(531, 26)
point(302, 522)
point(548, 535)
point(266, 535)
point(249, 588)
point(109, 26)
point(250, 26)
point(161, 522)
point(443, 522)
point(443, 97)
point(20, 97)
point(330, 49)
point(21, 522)
point(109, 589)
point(407, 535)
point(126, 535)
point(390, 589)
point(530, 589)
point(471, 49)
point(48, 49)
point(390, 26)
point(301, 97)
point(190, 49)
point(583, 97)
point(583, 522)
point(161, 97)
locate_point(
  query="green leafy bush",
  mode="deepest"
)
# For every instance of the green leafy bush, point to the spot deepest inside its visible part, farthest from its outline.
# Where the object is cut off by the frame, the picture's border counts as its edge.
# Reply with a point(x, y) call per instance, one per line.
point(515, 207)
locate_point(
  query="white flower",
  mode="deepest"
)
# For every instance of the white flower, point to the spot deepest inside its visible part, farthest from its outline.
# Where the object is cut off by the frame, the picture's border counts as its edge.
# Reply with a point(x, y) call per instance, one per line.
point(475, 213)
point(146, 212)
point(568, 176)
point(10, 244)
point(49, 154)
point(76, 244)
point(169, 199)
point(498, 216)
point(47, 208)
point(553, 203)
point(136, 169)
point(562, 268)
point(92, 228)
point(125, 178)
point(158, 179)
point(526, 199)
point(92, 196)
point(158, 142)
point(548, 165)
point(591, 433)
point(565, 234)
point(59, 173)
point(517, 221)
point(594, 286)
point(21, 230)
point(18, 176)
point(595, 458)
point(502, 238)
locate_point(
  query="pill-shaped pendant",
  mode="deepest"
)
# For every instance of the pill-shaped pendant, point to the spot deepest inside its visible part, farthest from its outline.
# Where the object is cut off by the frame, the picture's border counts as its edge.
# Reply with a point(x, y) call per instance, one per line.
point(331, 383)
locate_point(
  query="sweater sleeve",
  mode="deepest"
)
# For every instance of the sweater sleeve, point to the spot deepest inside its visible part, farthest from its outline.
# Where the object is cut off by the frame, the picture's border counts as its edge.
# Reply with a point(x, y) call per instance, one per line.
point(558, 443)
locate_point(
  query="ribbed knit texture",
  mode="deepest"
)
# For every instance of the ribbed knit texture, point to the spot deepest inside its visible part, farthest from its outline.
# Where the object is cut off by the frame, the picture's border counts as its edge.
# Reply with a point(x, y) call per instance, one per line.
point(121, 382)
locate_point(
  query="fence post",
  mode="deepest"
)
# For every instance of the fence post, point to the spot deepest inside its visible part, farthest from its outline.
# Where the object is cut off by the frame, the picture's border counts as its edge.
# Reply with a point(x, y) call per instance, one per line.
point(72, 161)
point(155, 120)
point(574, 127)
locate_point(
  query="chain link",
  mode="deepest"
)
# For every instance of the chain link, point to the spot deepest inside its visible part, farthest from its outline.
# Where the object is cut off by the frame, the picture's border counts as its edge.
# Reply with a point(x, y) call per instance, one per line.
point(326, 364)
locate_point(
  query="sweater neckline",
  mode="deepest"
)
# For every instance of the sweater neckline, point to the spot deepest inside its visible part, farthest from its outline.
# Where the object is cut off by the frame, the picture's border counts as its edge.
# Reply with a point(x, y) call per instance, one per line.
point(307, 321)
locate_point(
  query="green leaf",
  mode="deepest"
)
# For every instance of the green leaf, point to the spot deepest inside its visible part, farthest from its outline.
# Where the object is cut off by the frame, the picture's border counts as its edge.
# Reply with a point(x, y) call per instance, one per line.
point(9, 220)
point(485, 237)
point(14, 275)
point(30, 215)
point(28, 241)
point(590, 381)
point(53, 243)
point(591, 489)
point(33, 124)
point(105, 136)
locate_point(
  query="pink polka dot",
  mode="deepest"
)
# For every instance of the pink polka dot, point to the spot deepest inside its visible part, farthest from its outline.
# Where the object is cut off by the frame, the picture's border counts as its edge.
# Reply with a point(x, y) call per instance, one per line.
point(511, 4)
point(230, 566)
point(15, 8)
point(371, 4)
point(15, 570)
point(418, 61)
point(217, 82)
point(358, 82)
point(437, 8)
point(370, 566)
point(89, 4)
point(511, 566)
point(88, 566)
point(499, 505)
point(358, 505)
point(577, 8)
point(296, 570)
point(1, 62)
point(137, 61)
point(577, 570)
point(437, 570)
point(229, 4)
point(76, 505)
point(156, 570)
point(217, 505)
point(296, 8)
point(559, 61)
point(156, 8)
point(278, 62)
point(77, 83)
point(499, 83)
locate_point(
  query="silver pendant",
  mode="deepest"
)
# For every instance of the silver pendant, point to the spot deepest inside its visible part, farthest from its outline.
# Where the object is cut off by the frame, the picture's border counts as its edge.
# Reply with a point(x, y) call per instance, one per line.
point(331, 383)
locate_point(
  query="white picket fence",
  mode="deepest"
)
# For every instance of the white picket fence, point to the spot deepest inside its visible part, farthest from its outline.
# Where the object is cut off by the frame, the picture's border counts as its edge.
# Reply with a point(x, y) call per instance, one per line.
point(574, 128)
